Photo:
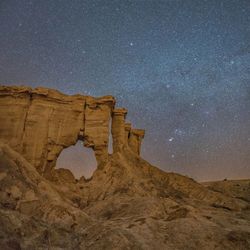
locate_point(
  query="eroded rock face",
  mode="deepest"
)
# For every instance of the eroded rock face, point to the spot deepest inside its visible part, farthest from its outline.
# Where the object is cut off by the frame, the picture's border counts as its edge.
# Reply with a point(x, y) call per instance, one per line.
point(62, 175)
point(135, 139)
point(39, 123)
point(118, 129)
point(127, 132)
point(96, 125)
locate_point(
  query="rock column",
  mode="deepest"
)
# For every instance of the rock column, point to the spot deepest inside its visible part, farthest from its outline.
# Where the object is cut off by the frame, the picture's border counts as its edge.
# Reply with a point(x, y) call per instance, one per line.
point(118, 129)
point(127, 132)
point(135, 139)
point(96, 130)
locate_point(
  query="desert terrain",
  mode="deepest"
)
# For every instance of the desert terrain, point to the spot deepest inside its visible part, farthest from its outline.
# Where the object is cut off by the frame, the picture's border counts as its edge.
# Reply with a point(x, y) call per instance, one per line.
point(127, 204)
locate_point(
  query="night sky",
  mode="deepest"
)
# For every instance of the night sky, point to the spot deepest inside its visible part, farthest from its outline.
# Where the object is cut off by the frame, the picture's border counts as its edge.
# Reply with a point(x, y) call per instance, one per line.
point(181, 67)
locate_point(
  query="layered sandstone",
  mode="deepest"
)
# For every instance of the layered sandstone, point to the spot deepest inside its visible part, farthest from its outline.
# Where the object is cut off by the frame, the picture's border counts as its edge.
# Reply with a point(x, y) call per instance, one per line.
point(97, 114)
point(135, 139)
point(39, 123)
point(118, 128)
point(127, 132)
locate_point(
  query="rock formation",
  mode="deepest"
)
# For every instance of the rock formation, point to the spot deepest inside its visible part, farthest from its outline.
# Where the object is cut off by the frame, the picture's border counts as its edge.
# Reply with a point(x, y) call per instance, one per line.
point(135, 139)
point(39, 123)
point(127, 204)
point(118, 129)
point(127, 131)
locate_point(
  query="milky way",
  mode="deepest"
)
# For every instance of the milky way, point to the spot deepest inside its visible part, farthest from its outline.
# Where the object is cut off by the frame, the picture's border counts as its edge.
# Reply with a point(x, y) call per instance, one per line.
point(181, 67)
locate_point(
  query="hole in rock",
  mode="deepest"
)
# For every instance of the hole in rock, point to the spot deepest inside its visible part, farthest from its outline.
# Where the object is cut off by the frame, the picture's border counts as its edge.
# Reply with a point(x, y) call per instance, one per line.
point(78, 159)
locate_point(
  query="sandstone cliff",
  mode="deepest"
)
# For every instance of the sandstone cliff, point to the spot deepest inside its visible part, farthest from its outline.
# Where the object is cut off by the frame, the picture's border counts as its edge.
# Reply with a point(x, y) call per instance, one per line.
point(39, 123)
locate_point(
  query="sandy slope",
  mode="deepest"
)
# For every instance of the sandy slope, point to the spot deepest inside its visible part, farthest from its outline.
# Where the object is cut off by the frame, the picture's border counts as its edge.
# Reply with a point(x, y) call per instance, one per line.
point(235, 188)
point(128, 204)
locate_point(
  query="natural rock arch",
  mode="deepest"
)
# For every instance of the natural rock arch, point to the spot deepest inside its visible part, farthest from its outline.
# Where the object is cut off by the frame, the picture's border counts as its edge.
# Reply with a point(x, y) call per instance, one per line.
point(39, 123)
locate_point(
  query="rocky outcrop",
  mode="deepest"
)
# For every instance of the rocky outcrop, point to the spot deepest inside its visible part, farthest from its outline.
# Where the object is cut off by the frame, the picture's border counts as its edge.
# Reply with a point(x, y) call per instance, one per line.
point(25, 195)
point(39, 123)
point(118, 129)
point(97, 115)
point(135, 140)
point(127, 132)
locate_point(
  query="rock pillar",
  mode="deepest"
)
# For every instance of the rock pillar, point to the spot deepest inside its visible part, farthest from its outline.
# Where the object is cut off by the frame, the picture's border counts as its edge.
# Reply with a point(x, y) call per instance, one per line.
point(135, 139)
point(118, 128)
point(127, 132)
point(96, 131)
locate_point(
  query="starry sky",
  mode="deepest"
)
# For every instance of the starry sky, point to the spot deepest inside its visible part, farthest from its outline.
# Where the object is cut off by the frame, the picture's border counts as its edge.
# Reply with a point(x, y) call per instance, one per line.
point(181, 67)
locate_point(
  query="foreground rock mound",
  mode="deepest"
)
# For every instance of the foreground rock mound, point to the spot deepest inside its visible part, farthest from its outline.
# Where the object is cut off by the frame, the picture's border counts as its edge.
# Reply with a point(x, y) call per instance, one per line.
point(31, 209)
point(127, 204)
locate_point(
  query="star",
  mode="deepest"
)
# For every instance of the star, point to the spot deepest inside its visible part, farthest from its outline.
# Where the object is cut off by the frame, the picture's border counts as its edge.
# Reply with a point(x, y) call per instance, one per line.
point(179, 132)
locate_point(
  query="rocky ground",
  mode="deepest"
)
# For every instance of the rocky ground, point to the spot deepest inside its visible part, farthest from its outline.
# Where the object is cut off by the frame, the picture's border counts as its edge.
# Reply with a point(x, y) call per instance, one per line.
point(127, 204)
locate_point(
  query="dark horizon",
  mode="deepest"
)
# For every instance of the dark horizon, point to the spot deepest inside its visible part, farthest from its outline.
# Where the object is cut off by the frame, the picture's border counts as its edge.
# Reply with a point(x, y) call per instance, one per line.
point(181, 68)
